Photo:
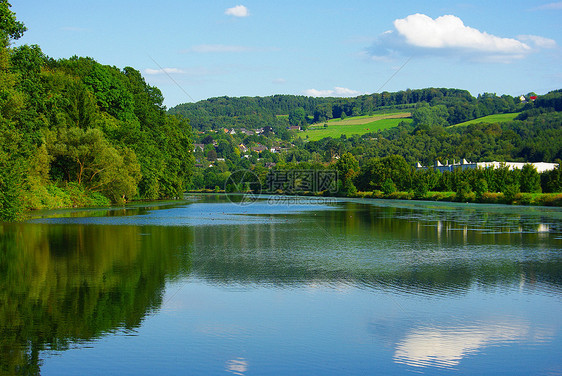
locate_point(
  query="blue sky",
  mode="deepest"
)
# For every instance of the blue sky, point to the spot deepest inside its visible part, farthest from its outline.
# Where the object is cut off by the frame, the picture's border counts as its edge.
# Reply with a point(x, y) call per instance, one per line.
point(193, 50)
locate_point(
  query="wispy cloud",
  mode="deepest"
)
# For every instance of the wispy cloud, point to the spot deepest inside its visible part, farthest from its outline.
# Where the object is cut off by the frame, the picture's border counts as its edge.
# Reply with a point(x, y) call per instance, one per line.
point(448, 35)
point(237, 11)
point(279, 81)
point(335, 92)
point(164, 71)
point(537, 42)
point(550, 6)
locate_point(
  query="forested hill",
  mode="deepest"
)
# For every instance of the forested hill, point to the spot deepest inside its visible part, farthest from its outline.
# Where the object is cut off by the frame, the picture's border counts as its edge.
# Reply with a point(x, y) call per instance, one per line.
point(254, 112)
point(76, 132)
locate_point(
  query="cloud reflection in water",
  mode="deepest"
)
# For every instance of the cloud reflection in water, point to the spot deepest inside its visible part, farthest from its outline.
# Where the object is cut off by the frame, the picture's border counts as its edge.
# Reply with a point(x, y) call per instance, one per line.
point(237, 366)
point(445, 347)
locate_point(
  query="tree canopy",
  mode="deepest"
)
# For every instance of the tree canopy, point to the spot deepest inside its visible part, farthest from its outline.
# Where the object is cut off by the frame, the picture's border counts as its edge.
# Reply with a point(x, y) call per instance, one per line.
point(76, 132)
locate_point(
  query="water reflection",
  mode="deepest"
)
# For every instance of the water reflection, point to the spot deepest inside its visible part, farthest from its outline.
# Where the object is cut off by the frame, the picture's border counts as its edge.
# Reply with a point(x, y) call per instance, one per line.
point(70, 284)
point(237, 366)
point(80, 275)
point(446, 346)
point(374, 247)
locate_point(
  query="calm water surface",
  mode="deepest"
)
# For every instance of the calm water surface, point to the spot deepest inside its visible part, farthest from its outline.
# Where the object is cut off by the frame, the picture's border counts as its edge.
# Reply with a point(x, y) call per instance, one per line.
point(292, 287)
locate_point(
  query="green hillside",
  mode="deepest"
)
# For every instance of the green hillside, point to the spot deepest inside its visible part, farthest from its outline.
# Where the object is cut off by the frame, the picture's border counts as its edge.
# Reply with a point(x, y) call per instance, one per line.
point(497, 118)
point(355, 125)
point(280, 111)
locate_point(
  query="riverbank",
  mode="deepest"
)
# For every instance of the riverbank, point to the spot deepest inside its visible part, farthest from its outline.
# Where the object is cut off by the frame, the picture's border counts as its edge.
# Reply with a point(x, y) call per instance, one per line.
point(527, 199)
point(533, 199)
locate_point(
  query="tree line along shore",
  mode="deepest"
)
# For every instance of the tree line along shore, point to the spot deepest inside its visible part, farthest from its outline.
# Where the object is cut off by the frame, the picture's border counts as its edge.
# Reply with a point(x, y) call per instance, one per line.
point(74, 132)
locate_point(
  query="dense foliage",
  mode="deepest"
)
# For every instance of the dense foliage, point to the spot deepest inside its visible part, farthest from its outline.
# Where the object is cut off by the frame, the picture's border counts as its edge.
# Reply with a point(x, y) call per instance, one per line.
point(222, 125)
point(535, 139)
point(76, 132)
point(384, 161)
point(459, 106)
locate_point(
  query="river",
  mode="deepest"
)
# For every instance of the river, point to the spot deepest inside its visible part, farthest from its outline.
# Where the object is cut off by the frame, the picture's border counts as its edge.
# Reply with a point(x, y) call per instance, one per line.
point(283, 286)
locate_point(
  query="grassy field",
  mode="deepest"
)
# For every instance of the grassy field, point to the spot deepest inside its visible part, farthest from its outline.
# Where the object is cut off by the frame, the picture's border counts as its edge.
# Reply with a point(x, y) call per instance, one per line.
point(355, 125)
point(384, 120)
point(498, 118)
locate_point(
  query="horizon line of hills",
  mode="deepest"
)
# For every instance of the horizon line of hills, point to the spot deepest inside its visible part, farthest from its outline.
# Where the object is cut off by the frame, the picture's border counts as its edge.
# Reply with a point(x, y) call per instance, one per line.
point(279, 95)
point(460, 106)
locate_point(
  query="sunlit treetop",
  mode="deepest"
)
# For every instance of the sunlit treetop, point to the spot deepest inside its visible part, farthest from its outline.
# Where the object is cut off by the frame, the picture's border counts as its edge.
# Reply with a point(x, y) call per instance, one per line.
point(10, 28)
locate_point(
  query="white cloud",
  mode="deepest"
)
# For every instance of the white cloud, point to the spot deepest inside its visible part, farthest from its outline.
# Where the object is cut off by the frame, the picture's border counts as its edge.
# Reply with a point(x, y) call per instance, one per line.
point(448, 35)
point(539, 42)
point(163, 71)
point(550, 6)
point(237, 11)
point(449, 31)
point(279, 81)
point(336, 92)
point(317, 93)
point(214, 48)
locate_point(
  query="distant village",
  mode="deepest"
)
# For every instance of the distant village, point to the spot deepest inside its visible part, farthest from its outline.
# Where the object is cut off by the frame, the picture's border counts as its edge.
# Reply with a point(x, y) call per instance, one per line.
point(249, 143)
point(247, 149)
point(246, 152)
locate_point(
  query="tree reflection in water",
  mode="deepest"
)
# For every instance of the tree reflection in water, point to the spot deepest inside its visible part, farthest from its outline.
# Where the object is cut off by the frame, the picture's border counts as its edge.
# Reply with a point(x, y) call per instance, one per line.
point(64, 285)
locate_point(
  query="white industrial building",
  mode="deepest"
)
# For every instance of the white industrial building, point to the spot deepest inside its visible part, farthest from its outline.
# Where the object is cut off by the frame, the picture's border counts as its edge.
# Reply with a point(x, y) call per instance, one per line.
point(464, 164)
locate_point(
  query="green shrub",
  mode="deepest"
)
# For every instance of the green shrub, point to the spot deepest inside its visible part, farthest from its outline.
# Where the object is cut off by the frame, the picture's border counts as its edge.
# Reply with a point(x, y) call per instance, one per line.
point(491, 198)
point(401, 195)
point(510, 191)
point(480, 187)
point(551, 199)
point(365, 194)
point(58, 198)
point(526, 199)
point(378, 194)
point(97, 199)
point(388, 186)
point(464, 192)
point(420, 190)
point(441, 196)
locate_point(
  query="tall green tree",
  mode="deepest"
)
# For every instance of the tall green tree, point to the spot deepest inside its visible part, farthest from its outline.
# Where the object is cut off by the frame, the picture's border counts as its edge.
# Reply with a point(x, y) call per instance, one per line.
point(12, 151)
point(87, 158)
point(10, 27)
point(375, 171)
point(297, 116)
point(348, 168)
point(530, 179)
